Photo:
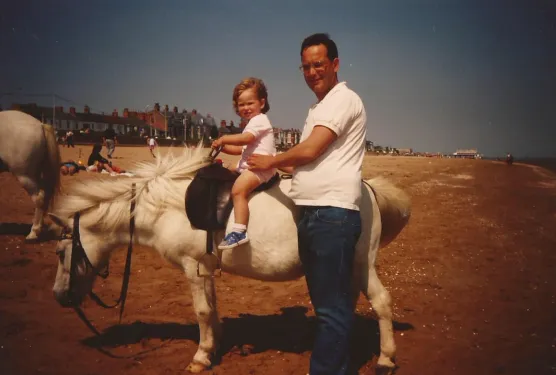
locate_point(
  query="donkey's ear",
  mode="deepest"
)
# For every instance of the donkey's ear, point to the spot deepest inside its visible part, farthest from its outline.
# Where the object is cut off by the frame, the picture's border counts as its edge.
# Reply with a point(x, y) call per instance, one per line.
point(58, 220)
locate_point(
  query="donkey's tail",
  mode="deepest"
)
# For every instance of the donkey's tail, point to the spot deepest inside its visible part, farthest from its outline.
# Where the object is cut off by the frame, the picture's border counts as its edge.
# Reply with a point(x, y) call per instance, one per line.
point(394, 205)
point(51, 169)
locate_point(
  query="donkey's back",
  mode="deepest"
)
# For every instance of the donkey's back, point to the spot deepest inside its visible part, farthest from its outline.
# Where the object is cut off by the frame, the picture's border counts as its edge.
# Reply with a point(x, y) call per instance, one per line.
point(29, 150)
point(22, 142)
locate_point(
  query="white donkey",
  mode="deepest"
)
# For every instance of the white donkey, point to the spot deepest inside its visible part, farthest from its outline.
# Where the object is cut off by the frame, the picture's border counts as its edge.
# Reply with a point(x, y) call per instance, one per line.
point(29, 150)
point(161, 223)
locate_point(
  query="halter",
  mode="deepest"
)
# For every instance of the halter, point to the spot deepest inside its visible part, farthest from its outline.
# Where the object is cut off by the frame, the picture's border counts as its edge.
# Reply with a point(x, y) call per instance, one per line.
point(78, 255)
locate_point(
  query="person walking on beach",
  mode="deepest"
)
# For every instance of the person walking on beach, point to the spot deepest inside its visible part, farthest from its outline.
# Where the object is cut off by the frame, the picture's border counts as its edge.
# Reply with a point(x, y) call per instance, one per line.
point(69, 139)
point(152, 144)
point(110, 140)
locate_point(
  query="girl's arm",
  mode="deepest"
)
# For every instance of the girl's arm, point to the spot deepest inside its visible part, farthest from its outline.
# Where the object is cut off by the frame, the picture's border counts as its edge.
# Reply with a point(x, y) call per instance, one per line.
point(237, 139)
point(232, 150)
point(232, 144)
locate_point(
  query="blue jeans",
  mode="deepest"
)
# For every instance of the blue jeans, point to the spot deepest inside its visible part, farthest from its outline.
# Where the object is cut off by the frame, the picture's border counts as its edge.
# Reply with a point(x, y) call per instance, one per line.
point(327, 237)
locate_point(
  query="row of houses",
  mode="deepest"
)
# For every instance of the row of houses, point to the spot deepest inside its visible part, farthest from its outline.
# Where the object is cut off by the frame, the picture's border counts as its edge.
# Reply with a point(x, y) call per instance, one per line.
point(159, 122)
point(175, 124)
point(76, 121)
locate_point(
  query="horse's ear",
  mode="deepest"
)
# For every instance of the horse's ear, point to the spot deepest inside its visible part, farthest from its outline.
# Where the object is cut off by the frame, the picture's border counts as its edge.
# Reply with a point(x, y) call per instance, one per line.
point(58, 220)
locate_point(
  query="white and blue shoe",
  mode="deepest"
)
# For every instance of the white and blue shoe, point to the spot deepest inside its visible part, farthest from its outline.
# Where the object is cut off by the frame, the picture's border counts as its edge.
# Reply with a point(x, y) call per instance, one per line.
point(233, 239)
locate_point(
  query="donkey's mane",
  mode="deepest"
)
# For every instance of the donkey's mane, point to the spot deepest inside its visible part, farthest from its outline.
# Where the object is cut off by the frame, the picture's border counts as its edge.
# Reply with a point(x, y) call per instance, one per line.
point(157, 189)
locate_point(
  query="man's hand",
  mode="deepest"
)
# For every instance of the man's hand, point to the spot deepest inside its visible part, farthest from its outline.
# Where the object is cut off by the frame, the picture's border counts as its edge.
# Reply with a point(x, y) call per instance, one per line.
point(257, 161)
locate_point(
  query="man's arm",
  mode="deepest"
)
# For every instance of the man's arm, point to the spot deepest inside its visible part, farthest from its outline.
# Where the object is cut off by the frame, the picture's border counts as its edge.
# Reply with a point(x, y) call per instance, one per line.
point(305, 152)
point(286, 169)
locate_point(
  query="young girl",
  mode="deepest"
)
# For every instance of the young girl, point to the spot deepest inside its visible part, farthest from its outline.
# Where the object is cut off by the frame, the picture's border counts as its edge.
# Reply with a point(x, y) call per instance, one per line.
point(250, 102)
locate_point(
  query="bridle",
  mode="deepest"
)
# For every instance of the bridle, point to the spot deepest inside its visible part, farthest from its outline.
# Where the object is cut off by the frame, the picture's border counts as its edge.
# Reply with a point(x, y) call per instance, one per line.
point(78, 255)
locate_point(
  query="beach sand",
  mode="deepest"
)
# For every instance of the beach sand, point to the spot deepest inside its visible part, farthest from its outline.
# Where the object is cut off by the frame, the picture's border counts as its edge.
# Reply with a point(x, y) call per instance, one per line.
point(471, 279)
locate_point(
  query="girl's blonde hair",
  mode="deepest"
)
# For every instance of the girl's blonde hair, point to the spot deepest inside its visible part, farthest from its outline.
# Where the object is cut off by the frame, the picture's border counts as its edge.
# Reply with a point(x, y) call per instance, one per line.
point(252, 83)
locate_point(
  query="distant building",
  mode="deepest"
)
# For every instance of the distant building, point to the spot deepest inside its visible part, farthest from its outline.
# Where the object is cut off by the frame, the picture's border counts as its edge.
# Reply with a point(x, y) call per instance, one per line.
point(369, 146)
point(83, 121)
point(405, 151)
point(286, 138)
point(466, 153)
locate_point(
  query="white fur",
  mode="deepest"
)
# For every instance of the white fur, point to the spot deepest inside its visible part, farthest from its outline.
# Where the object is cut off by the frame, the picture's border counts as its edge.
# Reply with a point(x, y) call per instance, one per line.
point(271, 255)
point(29, 150)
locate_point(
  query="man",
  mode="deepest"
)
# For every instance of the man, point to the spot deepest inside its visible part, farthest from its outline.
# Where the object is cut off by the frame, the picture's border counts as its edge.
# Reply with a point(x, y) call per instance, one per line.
point(110, 139)
point(69, 139)
point(326, 185)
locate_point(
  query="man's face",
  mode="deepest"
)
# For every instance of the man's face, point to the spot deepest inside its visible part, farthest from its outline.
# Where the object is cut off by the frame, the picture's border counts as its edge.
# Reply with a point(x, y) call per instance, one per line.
point(319, 72)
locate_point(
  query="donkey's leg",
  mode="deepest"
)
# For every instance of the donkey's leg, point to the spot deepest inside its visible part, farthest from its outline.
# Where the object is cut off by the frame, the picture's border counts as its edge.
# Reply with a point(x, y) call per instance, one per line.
point(37, 196)
point(204, 303)
point(381, 302)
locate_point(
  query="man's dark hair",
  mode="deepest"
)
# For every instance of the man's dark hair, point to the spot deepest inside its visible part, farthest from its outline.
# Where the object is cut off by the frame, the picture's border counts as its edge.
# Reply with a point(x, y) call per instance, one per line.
point(324, 39)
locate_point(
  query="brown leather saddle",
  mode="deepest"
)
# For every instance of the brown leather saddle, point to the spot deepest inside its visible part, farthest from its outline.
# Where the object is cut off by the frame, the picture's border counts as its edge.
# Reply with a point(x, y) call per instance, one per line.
point(207, 199)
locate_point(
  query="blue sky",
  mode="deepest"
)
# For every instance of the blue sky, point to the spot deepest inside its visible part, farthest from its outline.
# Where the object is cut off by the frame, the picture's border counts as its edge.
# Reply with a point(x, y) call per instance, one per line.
point(434, 75)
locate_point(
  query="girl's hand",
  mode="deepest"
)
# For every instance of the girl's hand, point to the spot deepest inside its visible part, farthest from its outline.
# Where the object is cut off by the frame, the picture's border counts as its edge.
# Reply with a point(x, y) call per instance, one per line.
point(217, 143)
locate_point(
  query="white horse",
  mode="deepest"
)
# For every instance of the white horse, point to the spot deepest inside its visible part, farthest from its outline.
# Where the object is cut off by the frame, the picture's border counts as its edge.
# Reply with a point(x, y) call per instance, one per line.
point(161, 223)
point(29, 150)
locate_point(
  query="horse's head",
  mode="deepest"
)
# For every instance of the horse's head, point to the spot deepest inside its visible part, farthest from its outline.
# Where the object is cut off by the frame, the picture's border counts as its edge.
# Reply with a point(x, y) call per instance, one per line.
point(78, 262)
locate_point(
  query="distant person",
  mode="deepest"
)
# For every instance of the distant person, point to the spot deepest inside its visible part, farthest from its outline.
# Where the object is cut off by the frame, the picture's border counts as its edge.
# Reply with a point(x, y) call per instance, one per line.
point(70, 167)
point(151, 142)
point(509, 159)
point(250, 100)
point(69, 139)
point(110, 140)
point(97, 163)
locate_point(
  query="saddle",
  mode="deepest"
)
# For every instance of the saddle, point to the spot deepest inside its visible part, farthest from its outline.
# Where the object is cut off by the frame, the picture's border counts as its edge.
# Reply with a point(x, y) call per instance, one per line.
point(208, 205)
point(207, 199)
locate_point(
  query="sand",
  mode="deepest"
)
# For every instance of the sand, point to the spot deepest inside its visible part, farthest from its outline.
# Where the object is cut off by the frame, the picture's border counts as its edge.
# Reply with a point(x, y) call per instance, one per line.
point(471, 278)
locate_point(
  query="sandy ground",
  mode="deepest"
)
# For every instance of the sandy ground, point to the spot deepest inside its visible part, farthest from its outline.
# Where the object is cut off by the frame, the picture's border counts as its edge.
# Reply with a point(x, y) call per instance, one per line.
point(471, 277)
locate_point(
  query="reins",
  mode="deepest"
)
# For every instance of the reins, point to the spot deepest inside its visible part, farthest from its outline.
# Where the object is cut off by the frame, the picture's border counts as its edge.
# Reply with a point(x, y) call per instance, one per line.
point(78, 253)
point(75, 258)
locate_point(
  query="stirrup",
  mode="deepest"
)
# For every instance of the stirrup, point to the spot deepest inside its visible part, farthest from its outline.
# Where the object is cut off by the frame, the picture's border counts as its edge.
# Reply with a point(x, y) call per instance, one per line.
point(214, 270)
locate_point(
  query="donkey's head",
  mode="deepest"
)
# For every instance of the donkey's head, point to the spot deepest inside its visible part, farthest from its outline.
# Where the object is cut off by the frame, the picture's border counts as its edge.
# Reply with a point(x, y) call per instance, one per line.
point(79, 261)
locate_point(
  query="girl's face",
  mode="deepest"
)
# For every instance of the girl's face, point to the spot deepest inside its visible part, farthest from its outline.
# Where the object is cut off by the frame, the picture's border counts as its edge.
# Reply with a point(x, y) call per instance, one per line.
point(249, 105)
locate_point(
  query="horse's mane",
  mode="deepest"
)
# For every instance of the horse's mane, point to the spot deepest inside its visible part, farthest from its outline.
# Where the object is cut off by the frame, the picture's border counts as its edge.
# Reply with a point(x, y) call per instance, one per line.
point(157, 188)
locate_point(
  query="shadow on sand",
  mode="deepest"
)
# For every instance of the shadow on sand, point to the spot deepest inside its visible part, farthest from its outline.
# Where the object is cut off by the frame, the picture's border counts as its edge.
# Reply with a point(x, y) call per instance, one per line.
point(291, 332)
point(19, 229)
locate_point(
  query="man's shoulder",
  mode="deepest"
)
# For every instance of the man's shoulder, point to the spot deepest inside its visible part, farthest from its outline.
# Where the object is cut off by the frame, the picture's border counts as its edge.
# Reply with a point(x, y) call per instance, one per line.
point(346, 92)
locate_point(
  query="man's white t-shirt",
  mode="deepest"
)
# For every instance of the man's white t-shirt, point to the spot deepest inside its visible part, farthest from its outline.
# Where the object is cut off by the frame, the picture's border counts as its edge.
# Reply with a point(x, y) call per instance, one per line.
point(334, 178)
point(263, 144)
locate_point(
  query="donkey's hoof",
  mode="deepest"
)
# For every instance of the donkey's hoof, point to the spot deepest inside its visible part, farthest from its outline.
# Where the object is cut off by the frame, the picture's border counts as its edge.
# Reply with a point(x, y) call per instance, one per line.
point(195, 367)
point(32, 237)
